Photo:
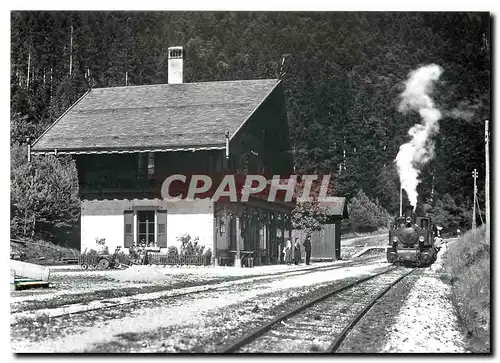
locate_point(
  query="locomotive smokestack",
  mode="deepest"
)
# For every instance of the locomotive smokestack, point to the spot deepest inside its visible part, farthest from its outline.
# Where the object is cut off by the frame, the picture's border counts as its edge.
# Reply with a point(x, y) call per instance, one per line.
point(409, 212)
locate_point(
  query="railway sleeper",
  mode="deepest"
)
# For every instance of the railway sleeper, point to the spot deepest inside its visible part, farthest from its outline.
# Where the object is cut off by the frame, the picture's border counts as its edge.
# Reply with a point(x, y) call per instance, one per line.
point(296, 332)
point(323, 328)
point(284, 344)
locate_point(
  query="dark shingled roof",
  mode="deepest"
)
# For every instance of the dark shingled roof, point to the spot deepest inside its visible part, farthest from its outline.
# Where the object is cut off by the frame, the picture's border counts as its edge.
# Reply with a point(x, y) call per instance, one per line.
point(156, 116)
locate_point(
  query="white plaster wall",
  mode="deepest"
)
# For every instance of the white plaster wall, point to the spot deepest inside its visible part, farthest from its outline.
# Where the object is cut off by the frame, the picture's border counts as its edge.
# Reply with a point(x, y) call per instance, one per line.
point(105, 219)
point(110, 227)
point(194, 218)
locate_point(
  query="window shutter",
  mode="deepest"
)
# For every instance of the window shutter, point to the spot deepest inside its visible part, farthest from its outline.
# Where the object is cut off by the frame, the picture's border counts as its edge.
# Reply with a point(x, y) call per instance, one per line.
point(162, 228)
point(129, 230)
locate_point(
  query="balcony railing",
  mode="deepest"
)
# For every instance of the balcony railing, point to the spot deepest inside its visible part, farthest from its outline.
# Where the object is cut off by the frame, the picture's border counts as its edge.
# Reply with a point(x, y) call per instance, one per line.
point(103, 192)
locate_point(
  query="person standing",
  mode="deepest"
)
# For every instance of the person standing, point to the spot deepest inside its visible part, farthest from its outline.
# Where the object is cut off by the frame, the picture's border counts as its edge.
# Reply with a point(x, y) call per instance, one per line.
point(438, 240)
point(279, 244)
point(287, 251)
point(296, 251)
point(282, 249)
point(307, 248)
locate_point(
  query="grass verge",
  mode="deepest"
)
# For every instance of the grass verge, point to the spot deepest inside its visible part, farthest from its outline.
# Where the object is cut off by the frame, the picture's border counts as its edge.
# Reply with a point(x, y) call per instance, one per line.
point(467, 263)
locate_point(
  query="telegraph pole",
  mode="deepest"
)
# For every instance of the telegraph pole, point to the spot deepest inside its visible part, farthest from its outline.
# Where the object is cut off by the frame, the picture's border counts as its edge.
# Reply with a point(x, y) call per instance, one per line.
point(487, 181)
point(401, 200)
point(29, 64)
point(474, 175)
point(71, 51)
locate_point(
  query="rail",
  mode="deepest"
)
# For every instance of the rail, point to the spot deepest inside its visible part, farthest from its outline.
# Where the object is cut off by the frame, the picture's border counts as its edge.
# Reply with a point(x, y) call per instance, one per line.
point(343, 334)
point(234, 346)
point(201, 289)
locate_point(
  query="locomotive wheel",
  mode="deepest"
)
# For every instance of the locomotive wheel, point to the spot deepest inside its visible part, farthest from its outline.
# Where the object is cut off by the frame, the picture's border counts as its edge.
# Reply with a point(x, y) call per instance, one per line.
point(84, 266)
point(426, 259)
point(391, 257)
point(103, 264)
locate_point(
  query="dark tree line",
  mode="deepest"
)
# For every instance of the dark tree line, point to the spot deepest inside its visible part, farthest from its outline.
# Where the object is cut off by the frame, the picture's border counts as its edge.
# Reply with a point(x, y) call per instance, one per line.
point(344, 73)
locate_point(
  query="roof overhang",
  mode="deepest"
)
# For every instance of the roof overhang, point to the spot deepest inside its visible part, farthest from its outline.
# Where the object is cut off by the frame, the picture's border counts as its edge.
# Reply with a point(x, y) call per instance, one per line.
point(126, 151)
point(336, 209)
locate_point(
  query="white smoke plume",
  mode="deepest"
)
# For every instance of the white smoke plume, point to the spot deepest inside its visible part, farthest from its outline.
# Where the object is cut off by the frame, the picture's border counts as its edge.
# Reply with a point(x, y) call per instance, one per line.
point(457, 113)
point(420, 149)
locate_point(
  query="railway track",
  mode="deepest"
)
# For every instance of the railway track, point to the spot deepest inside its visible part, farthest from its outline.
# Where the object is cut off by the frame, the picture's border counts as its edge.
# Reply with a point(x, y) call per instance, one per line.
point(322, 324)
point(108, 303)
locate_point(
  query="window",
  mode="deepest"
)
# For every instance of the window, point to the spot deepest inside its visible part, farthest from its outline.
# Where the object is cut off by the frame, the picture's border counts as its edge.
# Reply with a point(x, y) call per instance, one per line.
point(146, 227)
point(141, 165)
point(151, 165)
point(145, 165)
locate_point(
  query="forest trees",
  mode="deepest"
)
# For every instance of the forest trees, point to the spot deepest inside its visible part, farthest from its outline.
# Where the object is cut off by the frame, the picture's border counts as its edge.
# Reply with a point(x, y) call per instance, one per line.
point(366, 215)
point(345, 72)
point(447, 214)
point(44, 196)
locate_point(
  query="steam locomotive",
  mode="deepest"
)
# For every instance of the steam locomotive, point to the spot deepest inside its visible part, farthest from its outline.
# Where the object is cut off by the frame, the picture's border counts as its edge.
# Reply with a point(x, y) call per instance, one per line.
point(411, 241)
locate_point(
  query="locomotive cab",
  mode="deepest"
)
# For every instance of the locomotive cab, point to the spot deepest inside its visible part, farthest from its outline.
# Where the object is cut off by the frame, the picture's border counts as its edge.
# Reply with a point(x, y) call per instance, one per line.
point(425, 223)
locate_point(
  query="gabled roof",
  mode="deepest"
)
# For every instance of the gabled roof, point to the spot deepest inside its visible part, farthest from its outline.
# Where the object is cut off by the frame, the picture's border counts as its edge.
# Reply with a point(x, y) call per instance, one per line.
point(156, 117)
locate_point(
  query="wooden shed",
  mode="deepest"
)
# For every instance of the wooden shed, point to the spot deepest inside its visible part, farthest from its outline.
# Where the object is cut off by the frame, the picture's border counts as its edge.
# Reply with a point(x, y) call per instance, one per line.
point(325, 244)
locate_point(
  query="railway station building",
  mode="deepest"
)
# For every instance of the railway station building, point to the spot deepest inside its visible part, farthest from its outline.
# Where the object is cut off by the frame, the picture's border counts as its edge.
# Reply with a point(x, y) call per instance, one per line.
point(127, 140)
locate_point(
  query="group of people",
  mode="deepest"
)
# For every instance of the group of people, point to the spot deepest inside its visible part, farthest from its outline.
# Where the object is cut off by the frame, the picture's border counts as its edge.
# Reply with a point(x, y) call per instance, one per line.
point(292, 252)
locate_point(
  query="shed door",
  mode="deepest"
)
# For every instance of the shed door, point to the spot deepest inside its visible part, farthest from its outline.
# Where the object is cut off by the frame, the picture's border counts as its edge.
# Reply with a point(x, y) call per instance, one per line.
point(129, 233)
point(162, 228)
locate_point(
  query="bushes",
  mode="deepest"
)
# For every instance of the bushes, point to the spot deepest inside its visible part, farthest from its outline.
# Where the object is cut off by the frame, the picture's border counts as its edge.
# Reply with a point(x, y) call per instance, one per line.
point(190, 247)
point(468, 263)
point(172, 251)
point(365, 215)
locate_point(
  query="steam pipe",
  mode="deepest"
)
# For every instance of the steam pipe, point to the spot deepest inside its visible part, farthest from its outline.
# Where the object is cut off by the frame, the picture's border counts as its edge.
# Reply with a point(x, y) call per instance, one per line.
point(401, 200)
point(29, 149)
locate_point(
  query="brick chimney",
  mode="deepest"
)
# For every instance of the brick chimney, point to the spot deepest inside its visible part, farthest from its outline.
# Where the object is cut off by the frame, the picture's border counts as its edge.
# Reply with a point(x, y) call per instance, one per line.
point(175, 64)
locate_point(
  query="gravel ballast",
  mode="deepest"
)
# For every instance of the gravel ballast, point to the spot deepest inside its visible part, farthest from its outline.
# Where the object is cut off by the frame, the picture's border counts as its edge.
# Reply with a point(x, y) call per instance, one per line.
point(427, 322)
